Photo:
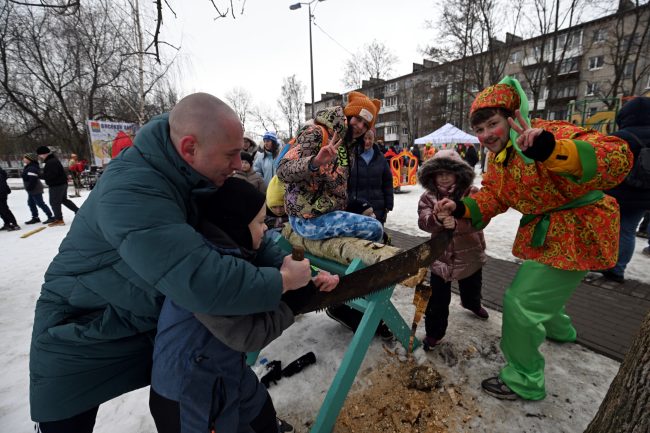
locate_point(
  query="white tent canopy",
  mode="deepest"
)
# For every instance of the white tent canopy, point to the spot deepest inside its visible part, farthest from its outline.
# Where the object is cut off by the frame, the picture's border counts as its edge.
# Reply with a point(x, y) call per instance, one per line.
point(447, 134)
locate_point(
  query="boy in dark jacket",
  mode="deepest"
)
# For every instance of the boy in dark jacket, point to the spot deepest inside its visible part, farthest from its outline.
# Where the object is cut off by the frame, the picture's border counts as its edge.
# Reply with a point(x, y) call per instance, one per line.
point(200, 380)
point(34, 188)
point(7, 216)
point(57, 181)
point(446, 175)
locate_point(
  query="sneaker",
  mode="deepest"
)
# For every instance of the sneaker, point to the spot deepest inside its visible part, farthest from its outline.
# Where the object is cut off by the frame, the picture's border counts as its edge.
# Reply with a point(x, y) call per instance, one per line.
point(611, 276)
point(284, 427)
point(56, 223)
point(49, 220)
point(481, 312)
point(646, 251)
point(495, 387)
point(34, 220)
point(429, 343)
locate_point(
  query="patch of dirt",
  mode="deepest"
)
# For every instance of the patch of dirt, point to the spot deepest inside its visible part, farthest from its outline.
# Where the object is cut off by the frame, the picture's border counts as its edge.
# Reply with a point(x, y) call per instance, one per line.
point(403, 397)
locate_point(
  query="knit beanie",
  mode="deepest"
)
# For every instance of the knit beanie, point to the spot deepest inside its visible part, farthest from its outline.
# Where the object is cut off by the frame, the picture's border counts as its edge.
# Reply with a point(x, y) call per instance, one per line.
point(32, 157)
point(245, 156)
point(232, 207)
point(268, 135)
point(358, 206)
point(362, 106)
point(42, 150)
point(275, 192)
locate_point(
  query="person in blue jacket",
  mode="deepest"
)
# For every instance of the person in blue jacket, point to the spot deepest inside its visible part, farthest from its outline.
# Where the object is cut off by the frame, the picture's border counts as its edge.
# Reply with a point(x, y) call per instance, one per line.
point(264, 162)
point(200, 381)
point(133, 243)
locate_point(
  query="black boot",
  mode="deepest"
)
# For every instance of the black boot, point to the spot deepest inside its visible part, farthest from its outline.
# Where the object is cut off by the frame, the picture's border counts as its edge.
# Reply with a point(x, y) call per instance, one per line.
point(34, 220)
point(49, 220)
point(13, 227)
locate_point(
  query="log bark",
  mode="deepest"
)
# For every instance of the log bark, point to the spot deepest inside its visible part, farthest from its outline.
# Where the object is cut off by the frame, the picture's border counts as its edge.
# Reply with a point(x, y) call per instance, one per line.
point(343, 250)
point(626, 407)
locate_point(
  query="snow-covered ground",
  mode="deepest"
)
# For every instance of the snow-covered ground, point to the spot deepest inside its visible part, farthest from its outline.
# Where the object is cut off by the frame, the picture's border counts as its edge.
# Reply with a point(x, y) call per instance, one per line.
point(577, 379)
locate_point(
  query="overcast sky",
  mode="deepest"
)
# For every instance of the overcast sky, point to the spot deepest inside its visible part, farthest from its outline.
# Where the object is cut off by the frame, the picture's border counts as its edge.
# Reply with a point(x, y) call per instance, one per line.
point(269, 41)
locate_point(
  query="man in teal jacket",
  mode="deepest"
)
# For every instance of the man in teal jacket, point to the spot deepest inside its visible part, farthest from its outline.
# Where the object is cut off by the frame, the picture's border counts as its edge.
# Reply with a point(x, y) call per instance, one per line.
point(131, 244)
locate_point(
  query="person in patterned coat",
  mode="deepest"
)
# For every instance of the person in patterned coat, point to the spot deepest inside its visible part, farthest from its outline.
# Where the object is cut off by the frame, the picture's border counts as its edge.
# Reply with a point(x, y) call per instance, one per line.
point(553, 172)
point(316, 171)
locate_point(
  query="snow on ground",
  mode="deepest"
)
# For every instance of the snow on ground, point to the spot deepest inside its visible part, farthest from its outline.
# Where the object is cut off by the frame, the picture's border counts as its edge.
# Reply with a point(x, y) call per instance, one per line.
point(577, 379)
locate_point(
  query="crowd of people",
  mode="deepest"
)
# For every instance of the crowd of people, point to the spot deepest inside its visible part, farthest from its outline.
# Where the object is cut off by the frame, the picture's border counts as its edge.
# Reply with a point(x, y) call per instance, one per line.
point(118, 312)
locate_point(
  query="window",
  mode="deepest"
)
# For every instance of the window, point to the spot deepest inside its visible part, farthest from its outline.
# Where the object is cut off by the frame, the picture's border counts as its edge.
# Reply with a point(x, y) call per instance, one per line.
point(515, 57)
point(405, 131)
point(600, 35)
point(391, 101)
point(647, 86)
point(388, 130)
point(592, 89)
point(596, 62)
point(391, 87)
point(558, 115)
point(566, 91)
point(568, 65)
point(628, 70)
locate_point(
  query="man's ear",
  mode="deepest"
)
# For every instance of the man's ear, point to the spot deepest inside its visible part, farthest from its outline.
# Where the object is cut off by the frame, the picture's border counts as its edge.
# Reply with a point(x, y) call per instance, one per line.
point(187, 148)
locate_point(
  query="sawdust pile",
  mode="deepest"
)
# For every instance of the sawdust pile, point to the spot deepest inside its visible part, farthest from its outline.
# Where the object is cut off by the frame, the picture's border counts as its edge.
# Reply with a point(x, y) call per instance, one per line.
point(404, 397)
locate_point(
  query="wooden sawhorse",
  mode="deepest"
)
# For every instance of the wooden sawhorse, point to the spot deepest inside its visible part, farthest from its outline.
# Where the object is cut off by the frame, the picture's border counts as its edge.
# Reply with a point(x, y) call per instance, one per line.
point(375, 307)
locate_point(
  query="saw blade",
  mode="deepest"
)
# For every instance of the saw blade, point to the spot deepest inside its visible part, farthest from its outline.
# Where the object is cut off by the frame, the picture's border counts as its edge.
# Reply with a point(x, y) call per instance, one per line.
point(370, 279)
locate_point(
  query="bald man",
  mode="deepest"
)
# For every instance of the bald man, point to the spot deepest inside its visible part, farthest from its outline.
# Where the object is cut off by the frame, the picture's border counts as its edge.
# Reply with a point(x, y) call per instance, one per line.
point(131, 244)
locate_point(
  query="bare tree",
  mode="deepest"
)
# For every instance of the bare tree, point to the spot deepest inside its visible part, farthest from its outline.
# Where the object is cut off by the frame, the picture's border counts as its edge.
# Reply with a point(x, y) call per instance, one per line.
point(625, 407)
point(291, 103)
point(374, 60)
point(240, 101)
point(627, 50)
point(223, 8)
point(266, 118)
point(58, 70)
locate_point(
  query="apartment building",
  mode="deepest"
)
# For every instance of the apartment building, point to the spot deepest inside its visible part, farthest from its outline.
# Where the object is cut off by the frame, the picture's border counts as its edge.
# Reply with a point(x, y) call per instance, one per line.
point(582, 74)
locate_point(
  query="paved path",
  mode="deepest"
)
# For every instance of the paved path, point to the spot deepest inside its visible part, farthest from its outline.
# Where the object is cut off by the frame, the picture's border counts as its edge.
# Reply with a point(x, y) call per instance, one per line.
point(607, 315)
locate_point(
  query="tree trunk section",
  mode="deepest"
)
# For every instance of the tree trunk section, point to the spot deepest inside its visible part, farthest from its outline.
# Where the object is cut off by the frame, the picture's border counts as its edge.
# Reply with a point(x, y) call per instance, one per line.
point(343, 250)
point(626, 407)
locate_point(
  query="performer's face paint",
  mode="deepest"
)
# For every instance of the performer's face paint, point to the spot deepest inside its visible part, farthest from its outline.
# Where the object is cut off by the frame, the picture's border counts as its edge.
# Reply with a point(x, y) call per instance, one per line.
point(493, 133)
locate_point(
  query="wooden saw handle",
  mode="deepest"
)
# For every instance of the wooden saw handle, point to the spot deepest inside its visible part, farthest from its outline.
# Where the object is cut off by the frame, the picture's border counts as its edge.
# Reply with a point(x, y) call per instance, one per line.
point(298, 253)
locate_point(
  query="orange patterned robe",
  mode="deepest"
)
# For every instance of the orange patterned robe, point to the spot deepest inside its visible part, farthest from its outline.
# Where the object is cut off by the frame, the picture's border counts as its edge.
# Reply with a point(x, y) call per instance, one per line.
point(578, 239)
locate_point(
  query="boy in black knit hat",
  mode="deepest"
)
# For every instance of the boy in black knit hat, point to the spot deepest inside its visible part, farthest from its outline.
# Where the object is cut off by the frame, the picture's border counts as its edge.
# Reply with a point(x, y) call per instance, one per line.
point(200, 380)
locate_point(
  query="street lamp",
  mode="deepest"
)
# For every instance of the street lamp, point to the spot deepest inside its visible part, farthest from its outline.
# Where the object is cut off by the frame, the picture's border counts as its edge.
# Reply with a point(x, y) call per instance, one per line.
point(293, 7)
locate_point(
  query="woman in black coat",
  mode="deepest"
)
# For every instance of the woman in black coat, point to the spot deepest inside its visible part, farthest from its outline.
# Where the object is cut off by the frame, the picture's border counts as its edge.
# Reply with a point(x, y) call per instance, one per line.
point(370, 178)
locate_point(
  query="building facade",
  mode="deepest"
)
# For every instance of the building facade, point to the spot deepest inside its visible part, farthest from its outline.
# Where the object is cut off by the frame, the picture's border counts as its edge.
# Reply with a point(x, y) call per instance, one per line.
point(582, 74)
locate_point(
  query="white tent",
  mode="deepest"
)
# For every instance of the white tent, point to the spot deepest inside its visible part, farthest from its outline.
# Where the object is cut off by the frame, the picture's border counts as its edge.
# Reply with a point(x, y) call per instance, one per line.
point(447, 134)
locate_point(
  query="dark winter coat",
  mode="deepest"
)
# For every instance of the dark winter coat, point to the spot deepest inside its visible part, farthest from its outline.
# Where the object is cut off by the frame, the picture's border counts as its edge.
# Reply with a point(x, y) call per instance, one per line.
point(4, 188)
point(466, 252)
point(471, 156)
point(31, 173)
point(53, 172)
point(634, 117)
point(130, 245)
point(372, 182)
point(208, 375)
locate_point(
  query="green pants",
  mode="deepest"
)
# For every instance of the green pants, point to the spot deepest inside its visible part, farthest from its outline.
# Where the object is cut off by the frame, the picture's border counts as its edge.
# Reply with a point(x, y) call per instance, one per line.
point(533, 309)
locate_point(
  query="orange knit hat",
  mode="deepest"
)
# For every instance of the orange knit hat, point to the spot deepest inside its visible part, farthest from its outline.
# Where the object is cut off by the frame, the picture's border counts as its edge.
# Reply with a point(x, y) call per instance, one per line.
point(362, 106)
point(497, 96)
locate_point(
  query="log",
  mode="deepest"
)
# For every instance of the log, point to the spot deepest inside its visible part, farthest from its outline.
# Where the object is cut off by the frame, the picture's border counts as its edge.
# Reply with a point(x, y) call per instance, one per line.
point(344, 250)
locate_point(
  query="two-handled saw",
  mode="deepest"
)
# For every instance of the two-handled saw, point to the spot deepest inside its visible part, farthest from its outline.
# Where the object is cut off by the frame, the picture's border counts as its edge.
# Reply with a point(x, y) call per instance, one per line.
point(370, 279)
